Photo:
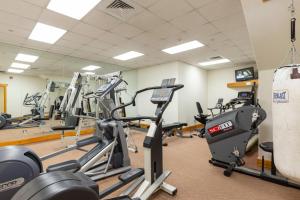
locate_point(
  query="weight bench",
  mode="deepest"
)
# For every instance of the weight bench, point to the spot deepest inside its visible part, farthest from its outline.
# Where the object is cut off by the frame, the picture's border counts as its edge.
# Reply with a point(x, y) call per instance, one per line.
point(174, 129)
point(63, 128)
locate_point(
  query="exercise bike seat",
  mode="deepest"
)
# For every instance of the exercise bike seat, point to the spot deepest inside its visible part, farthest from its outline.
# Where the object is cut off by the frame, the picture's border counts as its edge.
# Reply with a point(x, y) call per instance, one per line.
point(70, 165)
point(267, 146)
point(63, 128)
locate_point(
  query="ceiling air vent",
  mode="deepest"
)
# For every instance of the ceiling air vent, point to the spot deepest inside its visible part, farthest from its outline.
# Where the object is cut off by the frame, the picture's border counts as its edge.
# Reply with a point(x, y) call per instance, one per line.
point(121, 9)
point(120, 5)
point(215, 58)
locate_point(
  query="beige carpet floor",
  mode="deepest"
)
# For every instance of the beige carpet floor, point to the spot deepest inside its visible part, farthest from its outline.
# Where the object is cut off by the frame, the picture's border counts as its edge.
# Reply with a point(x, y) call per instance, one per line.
point(194, 177)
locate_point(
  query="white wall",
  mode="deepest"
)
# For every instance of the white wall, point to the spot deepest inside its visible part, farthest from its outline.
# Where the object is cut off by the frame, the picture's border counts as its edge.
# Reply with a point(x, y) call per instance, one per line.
point(131, 78)
point(195, 89)
point(183, 105)
point(217, 85)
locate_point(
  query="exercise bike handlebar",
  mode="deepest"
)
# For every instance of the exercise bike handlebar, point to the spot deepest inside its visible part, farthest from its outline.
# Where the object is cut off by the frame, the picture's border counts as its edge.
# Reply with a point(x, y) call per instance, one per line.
point(152, 118)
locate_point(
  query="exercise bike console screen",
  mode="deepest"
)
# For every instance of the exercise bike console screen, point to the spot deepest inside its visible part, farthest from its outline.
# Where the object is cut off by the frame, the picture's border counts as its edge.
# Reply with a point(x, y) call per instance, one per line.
point(245, 95)
point(162, 95)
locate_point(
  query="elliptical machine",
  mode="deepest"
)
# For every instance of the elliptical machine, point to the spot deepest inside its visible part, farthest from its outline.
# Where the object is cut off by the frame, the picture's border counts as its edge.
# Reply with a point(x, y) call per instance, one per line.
point(66, 185)
point(19, 165)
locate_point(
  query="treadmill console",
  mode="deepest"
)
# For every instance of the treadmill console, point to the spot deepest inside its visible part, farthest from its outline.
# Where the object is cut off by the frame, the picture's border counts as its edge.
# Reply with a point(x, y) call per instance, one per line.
point(245, 95)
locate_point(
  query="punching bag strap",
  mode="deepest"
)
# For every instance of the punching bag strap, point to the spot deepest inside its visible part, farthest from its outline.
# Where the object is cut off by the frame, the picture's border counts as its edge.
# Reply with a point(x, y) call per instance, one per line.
point(295, 74)
point(293, 29)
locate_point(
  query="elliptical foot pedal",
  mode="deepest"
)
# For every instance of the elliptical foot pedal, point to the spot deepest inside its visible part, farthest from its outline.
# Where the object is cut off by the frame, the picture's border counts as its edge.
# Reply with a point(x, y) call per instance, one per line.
point(131, 175)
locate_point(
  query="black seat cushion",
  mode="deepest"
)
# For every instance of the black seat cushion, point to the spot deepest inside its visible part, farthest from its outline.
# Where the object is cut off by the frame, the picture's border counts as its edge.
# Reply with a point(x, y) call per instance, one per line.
point(73, 165)
point(63, 128)
point(267, 146)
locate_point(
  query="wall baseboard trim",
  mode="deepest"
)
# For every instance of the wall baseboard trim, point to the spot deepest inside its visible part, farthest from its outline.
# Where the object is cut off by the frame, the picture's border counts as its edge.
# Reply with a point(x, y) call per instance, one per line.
point(192, 127)
point(45, 138)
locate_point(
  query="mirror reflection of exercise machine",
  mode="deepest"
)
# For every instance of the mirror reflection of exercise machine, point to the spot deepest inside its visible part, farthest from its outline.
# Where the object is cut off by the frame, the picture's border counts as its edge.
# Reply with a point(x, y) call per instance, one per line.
point(37, 102)
point(108, 156)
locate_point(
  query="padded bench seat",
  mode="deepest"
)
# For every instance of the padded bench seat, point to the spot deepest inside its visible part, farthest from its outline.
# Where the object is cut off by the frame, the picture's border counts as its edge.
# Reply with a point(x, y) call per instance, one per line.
point(63, 128)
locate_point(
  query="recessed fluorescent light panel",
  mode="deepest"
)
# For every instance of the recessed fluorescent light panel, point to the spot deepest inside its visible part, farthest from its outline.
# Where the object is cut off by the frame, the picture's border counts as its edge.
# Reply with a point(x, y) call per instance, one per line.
point(91, 68)
point(215, 62)
point(183, 47)
point(76, 9)
point(19, 65)
point(26, 58)
point(46, 33)
point(129, 55)
point(89, 73)
point(17, 71)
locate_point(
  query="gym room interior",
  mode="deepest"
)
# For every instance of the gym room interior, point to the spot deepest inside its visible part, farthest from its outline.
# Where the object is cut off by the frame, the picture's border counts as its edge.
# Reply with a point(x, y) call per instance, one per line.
point(149, 99)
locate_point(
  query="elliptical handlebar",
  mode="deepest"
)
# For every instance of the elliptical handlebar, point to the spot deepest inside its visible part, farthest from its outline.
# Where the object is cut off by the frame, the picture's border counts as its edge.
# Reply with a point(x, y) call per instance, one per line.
point(152, 118)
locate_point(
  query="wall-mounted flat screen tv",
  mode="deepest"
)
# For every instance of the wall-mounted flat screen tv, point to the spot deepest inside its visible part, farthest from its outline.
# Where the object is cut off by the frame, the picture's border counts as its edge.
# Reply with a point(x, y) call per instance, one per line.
point(245, 74)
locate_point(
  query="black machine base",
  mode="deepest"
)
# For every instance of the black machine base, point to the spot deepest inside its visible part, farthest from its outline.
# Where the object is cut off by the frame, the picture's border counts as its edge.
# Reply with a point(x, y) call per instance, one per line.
point(254, 173)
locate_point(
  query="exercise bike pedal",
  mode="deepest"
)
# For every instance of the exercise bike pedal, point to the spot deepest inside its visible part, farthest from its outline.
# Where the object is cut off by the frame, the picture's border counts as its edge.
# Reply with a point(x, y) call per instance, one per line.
point(240, 162)
point(228, 171)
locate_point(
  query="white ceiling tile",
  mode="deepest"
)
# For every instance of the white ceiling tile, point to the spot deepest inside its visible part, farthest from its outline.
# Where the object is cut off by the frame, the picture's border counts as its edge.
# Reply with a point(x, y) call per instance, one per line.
point(189, 21)
point(146, 21)
point(112, 38)
point(68, 44)
point(41, 3)
point(114, 51)
point(89, 57)
point(165, 30)
point(100, 44)
point(226, 24)
point(11, 19)
point(218, 40)
point(14, 30)
point(21, 8)
point(220, 9)
point(168, 10)
point(203, 33)
point(199, 3)
point(58, 20)
point(101, 20)
point(61, 50)
point(230, 52)
point(91, 49)
point(146, 3)
point(146, 39)
point(126, 30)
point(37, 45)
point(76, 38)
point(88, 30)
point(12, 39)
